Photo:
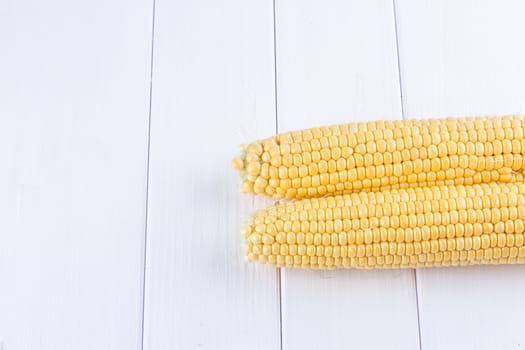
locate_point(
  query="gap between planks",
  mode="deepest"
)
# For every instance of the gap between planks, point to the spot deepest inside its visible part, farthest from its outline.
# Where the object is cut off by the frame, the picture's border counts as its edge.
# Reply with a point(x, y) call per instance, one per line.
point(400, 81)
point(278, 272)
point(146, 204)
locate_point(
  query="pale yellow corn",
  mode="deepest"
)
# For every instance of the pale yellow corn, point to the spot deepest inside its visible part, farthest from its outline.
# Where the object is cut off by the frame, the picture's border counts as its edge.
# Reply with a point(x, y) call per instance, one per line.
point(413, 227)
point(373, 156)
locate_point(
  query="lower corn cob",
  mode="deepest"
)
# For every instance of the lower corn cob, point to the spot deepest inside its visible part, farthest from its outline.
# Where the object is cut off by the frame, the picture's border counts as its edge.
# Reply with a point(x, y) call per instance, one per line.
point(413, 227)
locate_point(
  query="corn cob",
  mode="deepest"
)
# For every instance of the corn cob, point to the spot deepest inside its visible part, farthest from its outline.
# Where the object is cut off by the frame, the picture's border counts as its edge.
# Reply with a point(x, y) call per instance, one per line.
point(413, 227)
point(374, 156)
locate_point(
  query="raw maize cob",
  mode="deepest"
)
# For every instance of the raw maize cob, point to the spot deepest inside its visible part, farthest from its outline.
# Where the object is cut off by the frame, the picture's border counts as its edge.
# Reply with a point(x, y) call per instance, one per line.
point(413, 227)
point(374, 156)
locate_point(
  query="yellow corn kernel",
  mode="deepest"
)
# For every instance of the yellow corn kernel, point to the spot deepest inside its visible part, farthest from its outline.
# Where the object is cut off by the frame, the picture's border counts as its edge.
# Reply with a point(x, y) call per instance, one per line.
point(411, 227)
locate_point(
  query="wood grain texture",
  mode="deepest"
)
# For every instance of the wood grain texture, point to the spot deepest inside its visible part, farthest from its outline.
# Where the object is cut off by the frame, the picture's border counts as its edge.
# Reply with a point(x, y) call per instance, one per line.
point(465, 58)
point(213, 89)
point(74, 96)
point(337, 62)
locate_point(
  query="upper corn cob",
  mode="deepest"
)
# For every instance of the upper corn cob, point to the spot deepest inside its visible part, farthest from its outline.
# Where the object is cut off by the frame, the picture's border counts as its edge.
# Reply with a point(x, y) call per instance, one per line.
point(429, 226)
point(380, 155)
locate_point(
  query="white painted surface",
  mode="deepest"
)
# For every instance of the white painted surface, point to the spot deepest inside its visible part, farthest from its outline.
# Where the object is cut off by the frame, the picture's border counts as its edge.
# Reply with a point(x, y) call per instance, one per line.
point(466, 58)
point(462, 57)
point(337, 62)
point(74, 85)
point(213, 89)
point(74, 108)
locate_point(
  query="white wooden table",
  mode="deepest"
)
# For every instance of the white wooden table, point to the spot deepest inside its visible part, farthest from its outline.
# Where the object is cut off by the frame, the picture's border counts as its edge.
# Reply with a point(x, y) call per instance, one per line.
point(119, 212)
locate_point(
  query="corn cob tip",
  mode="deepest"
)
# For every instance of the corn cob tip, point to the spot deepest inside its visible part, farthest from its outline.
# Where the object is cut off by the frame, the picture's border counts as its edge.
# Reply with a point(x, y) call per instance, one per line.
point(246, 229)
point(237, 164)
point(250, 167)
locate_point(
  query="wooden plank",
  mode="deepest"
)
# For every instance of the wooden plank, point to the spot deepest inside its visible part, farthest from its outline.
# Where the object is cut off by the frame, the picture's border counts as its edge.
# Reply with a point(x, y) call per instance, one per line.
point(74, 97)
point(462, 58)
point(213, 89)
point(337, 62)
point(465, 58)
point(477, 307)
